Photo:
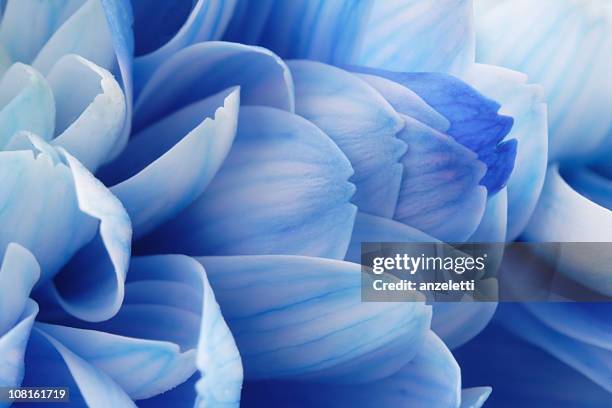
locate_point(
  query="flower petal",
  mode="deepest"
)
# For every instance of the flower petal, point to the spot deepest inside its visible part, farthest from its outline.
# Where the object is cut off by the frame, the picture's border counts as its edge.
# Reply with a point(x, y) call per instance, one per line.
point(301, 317)
point(363, 125)
point(149, 195)
point(524, 102)
point(40, 209)
point(407, 102)
point(494, 223)
point(282, 189)
point(26, 103)
point(458, 323)
point(370, 228)
point(88, 385)
point(91, 287)
point(41, 19)
point(248, 21)
point(563, 215)
point(475, 121)
point(474, 397)
point(524, 375)
point(525, 36)
point(431, 379)
point(591, 360)
point(208, 68)
point(316, 30)
point(119, 19)
point(18, 274)
point(440, 192)
point(85, 33)
point(413, 35)
point(90, 117)
point(206, 21)
point(142, 368)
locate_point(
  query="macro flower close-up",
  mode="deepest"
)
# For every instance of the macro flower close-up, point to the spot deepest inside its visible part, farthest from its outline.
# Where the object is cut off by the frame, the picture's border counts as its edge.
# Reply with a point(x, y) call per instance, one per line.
point(188, 189)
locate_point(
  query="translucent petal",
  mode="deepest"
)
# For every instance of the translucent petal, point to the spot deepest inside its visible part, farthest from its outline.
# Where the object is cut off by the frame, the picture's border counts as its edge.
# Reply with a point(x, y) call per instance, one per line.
point(150, 196)
point(301, 317)
point(208, 68)
point(475, 121)
point(18, 274)
point(361, 122)
point(248, 21)
point(42, 19)
point(414, 35)
point(282, 189)
point(89, 118)
point(564, 46)
point(142, 368)
point(97, 293)
point(474, 397)
point(206, 21)
point(525, 103)
point(85, 33)
point(88, 385)
point(316, 30)
point(26, 104)
point(440, 192)
point(432, 379)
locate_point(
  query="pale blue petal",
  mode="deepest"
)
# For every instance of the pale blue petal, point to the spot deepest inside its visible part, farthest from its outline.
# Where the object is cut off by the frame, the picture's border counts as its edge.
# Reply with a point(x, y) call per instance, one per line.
point(208, 68)
point(440, 190)
point(414, 35)
point(51, 364)
point(493, 226)
point(591, 184)
point(91, 287)
point(26, 103)
point(39, 208)
point(119, 19)
point(564, 46)
point(85, 33)
point(328, 31)
point(142, 368)
point(370, 228)
point(361, 122)
point(18, 274)
point(407, 102)
point(206, 21)
point(524, 375)
point(169, 324)
point(150, 196)
point(13, 345)
point(475, 119)
point(474, 397)
point(248, 21)
point(303, 318)
point(564, 215)
point(524, 102)
point(592, 360)
point(459, 322)
point(89, 117)
point(182, 396)
point(431, 379)
point(282, 189)
point(28, 24)
point(218, 358)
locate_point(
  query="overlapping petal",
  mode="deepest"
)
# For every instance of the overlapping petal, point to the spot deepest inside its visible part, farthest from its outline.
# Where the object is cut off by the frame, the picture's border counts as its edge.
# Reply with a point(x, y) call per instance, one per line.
point(149, 195)
point(282, 189)
point(208, 68)
point(363, 125)
point(565, 46)
point(302, 318)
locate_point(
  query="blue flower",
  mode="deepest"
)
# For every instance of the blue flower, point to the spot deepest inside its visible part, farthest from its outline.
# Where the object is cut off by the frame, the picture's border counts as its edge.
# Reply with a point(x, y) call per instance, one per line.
point(151, 155)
